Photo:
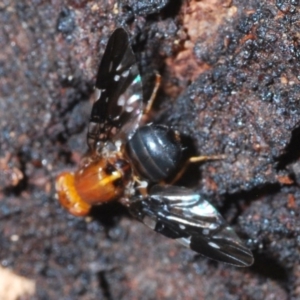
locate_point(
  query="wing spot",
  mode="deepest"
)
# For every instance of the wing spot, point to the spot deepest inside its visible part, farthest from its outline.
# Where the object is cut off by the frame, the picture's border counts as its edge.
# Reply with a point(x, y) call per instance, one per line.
point(205, 231)
point(116, 78)
point(133, 98)
point(214, 245)
point(119, 67)
point(129, 109)
point(182, 227)
point(125, 73)
point(121, 101)
point(213, 226)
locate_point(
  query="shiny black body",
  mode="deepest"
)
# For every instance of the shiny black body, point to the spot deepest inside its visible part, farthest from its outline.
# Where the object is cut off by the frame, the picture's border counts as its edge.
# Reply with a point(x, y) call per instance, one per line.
point(155, 152)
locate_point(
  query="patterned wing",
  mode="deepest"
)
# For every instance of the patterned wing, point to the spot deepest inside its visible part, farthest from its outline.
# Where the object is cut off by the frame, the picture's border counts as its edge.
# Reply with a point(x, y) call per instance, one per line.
point(181, 214)
point(145, 7)
point(119, 105)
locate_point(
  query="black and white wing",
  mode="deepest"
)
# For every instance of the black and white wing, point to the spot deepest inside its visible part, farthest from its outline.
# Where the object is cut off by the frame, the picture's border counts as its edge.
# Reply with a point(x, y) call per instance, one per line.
point(182, 214)
point(145, 7)
point(119, 105)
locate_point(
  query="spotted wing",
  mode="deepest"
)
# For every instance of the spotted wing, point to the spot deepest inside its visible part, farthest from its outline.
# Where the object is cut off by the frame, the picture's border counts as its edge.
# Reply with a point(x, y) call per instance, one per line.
point(119, 105)
point(181, 214)
point(145, 7)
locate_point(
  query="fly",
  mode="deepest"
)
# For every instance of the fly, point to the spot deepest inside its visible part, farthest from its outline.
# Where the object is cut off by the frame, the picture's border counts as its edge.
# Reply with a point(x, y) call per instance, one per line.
point(129, 161)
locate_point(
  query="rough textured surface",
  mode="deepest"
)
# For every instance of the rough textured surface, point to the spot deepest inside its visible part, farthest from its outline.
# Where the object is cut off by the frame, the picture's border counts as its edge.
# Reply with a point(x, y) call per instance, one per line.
point(234, 66)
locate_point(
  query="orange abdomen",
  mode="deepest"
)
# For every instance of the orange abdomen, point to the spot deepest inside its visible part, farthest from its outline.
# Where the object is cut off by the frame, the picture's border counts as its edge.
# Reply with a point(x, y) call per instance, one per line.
point(97, 182)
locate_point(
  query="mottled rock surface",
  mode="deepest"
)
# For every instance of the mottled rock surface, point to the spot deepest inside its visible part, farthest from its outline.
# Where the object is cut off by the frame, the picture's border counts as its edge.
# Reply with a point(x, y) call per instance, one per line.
point(230, 83)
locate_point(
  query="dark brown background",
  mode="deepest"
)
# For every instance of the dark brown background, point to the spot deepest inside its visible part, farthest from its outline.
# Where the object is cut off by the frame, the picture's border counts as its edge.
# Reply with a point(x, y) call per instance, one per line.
point(230, 82)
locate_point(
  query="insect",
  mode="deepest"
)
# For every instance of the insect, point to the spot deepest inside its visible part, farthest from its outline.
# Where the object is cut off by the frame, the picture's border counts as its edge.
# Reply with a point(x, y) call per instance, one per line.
point(128, 161)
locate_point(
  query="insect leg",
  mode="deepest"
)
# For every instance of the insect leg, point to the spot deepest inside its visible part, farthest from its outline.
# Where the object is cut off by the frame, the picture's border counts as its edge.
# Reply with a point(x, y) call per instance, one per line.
point(153, 95)
point(195, 159)
point(201, 158)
